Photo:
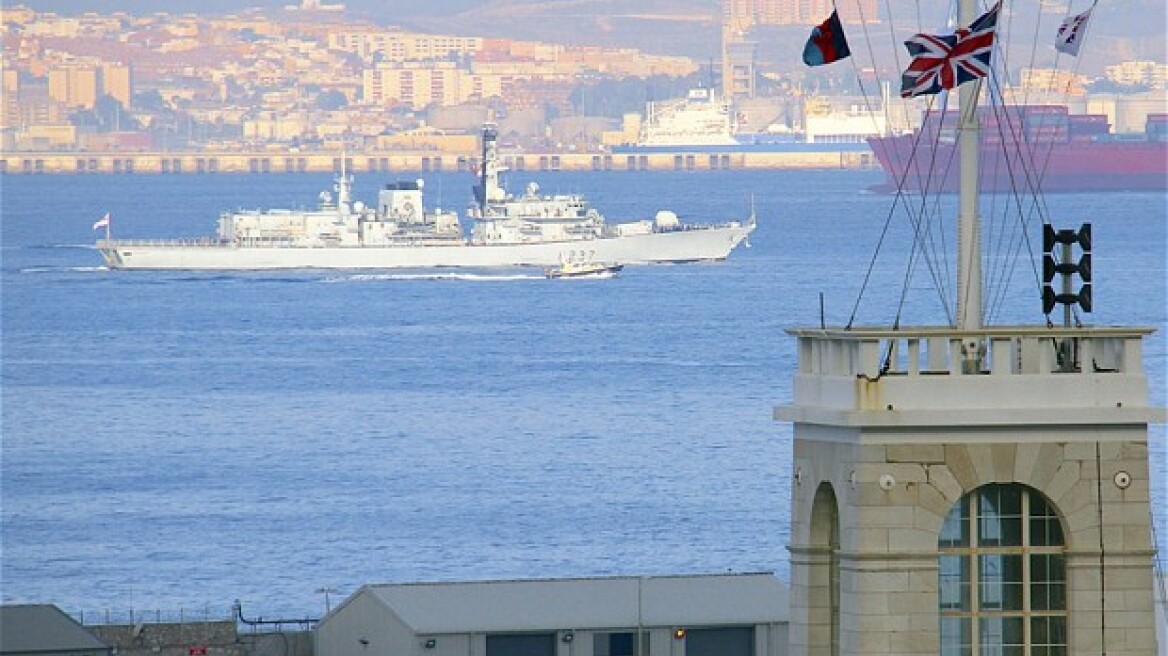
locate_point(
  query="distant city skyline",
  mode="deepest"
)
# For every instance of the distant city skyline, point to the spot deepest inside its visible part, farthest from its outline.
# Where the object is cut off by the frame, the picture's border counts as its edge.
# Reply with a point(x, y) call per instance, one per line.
point(315, 81)
point(1132, 29)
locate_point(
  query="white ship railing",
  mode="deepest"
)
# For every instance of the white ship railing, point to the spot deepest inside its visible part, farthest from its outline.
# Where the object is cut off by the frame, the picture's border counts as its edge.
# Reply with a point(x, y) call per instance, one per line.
point(269, 243)
point(122, 243)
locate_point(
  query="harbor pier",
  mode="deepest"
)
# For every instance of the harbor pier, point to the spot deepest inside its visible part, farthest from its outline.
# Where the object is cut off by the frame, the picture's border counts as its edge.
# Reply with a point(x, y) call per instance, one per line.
point(224, 161)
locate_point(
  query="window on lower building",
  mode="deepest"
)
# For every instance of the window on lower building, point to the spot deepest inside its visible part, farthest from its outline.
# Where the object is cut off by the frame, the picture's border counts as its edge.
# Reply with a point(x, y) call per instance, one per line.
point(724, 641)
point(1003, 582)
point(620, 643)
point(522, 644)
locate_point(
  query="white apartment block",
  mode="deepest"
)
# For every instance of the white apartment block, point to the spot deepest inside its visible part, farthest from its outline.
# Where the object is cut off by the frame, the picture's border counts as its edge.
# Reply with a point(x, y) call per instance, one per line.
point(1139, 72)
point(402, 46)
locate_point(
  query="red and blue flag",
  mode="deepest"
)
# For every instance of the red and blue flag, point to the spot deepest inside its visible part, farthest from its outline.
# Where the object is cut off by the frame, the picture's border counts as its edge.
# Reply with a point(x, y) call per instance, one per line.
point(827, 43)
point(943, 62)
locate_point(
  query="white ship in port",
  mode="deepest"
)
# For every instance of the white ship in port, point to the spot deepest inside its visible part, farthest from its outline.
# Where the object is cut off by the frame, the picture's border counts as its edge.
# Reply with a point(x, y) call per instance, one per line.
point(526, 230)
point(704, 122)
point(701, 118)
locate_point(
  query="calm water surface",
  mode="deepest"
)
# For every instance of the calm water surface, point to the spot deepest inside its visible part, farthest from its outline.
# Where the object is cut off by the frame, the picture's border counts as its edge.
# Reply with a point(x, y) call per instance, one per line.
point(182, 440)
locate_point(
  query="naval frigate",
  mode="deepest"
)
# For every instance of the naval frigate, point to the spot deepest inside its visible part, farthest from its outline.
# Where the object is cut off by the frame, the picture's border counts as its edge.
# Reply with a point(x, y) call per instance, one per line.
point(527, 229)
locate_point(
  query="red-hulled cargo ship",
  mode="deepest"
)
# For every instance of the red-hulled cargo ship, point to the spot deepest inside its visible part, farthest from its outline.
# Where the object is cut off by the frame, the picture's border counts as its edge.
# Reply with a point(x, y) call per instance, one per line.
point(1029, 147)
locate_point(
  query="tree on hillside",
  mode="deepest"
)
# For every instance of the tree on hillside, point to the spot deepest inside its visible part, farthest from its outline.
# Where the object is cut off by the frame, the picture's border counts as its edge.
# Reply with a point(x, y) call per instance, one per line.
point(108, 115)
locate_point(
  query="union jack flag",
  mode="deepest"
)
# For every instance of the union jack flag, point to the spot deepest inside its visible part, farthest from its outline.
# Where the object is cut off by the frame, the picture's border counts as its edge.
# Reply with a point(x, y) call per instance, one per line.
point(943, 62)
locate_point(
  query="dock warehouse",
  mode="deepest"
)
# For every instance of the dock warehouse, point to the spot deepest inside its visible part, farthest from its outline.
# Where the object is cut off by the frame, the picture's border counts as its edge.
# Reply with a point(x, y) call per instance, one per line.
point(701, 615)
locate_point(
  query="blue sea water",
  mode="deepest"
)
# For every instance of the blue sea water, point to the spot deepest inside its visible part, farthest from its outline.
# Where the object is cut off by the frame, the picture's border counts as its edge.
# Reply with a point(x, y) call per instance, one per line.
point(182, 440)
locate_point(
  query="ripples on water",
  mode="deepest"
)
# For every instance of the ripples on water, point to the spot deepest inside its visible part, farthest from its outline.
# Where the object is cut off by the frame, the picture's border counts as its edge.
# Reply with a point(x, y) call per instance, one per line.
point(184, 439)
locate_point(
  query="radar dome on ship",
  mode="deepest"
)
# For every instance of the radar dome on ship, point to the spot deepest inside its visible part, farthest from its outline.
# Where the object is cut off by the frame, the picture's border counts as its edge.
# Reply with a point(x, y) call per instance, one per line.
point(358, 206)
point(666, 220)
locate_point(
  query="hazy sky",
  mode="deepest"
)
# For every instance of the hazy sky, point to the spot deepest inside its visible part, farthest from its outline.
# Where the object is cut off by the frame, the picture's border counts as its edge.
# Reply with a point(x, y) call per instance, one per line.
point(384, 8)
point(1120, 29)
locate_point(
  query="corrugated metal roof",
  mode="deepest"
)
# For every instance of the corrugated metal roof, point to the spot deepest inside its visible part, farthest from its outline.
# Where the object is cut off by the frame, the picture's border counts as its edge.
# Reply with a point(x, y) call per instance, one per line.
point(43, 628)
point(586, 603)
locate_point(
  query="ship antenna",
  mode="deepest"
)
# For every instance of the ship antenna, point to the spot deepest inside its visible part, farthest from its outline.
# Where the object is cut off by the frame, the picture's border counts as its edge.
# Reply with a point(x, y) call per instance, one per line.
point(343, 183)
point(483, 170)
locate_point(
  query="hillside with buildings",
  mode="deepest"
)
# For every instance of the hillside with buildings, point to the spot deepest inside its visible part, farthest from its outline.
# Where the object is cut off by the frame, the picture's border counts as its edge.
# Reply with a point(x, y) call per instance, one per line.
point(558, 76)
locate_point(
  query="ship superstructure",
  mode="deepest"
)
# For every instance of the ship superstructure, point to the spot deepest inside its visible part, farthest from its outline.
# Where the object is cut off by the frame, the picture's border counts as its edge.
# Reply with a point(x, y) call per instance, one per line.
point(700, 118)
point(532, 217)
point(398, 218)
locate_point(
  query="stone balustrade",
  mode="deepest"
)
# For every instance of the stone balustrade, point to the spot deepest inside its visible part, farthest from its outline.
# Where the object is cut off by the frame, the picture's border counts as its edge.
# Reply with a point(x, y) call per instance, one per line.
point(1026, 375)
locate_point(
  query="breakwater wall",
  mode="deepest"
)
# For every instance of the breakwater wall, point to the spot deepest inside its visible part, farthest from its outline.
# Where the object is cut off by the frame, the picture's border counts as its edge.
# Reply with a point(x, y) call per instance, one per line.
point(214, 162)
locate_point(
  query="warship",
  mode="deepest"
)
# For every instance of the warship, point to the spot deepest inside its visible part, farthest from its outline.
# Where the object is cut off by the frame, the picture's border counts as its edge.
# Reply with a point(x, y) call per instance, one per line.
point(507, 230)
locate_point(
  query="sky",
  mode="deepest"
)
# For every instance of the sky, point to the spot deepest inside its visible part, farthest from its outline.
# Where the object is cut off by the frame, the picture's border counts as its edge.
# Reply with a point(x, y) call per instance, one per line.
point(384, 8)
point(1121, 30)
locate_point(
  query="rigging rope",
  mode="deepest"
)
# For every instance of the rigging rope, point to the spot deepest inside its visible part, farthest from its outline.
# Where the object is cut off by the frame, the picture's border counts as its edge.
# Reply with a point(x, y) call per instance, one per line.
point(1102, 561)
point(921, 218)
point(1026, 166)
point(1158, 568)
point(1021, 166)
point(916, 221)
point(1003, 120)
point(860, 78)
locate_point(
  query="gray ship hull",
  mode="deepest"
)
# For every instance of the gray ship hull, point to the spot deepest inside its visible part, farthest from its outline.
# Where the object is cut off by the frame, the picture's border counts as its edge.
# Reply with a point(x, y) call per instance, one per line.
point(685, 245)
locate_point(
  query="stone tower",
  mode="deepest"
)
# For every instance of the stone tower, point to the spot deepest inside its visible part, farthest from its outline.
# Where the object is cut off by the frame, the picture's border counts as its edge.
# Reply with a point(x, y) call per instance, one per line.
point(969, 489)
point(940, 508)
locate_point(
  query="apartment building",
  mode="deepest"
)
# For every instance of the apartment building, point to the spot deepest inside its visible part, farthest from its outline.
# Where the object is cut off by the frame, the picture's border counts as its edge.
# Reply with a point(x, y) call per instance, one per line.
point(1049, 80)
point(118, 82)
point(397, 46)
point(416, 84)
point(76, 85)
point(741, 15)
point(1147, 73)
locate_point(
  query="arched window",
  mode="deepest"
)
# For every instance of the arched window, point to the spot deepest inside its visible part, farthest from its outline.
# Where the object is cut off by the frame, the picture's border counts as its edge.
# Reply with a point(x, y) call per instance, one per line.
point(1003, 581)
point(825, 579)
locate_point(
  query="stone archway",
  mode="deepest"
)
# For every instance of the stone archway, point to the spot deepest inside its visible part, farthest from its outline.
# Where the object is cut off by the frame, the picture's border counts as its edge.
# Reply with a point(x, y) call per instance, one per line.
point(824, 575)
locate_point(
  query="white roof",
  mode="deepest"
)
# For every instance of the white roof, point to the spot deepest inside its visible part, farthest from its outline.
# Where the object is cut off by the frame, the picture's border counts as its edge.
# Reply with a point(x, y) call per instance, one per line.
point(586, 603)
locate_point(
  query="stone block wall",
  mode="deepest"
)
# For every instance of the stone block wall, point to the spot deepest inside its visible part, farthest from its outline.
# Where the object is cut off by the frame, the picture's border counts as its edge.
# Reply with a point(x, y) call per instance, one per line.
point(214, 638)
point(171, 638)
point(892, 499)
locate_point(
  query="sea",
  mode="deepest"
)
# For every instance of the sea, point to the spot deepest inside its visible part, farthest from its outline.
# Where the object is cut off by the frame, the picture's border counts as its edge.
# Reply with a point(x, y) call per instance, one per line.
point(178, 442)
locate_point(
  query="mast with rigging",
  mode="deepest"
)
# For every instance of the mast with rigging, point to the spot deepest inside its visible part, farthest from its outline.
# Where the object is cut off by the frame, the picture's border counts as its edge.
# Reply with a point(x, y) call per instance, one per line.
point(969, 291)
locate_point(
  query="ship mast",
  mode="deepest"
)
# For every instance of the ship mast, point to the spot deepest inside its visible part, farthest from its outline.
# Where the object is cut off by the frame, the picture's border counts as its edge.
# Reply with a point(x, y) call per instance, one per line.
point(344, 186)
point(489, 191)
point(968, 230)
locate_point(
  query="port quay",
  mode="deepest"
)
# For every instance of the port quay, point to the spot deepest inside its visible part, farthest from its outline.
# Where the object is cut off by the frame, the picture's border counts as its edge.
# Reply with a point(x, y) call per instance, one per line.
point(59, 162)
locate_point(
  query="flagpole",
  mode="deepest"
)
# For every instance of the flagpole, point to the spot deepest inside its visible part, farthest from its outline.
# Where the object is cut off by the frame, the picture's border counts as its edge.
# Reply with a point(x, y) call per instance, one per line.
point(969, 234)
point(1086, 23)
point(969, 284)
